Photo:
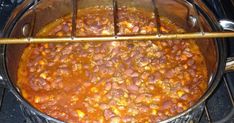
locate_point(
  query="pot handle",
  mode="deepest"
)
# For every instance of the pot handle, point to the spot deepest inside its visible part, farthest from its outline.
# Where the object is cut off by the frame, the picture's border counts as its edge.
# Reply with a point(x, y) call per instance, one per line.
point(2, 81)
point(228, 25)
point(230, 64)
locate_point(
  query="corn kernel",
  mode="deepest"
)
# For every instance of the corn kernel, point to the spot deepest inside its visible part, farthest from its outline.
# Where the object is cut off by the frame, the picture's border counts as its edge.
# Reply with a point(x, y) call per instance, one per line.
point(105, 21)
point(42, 62)
point(147, 68)
point(96, 105)
point(162, 71)
point(105, 32)
point(24, 93)
point(86, 46)
point(129, 25)
point(126, 30)
point(37, 99)
point(94, 90)
point(185, 107)
point(167, 113)
point(154, 112)
point(122, 102)
point(125, 95)
point(115, 110)
point(185, 66)
point(60, 34)
point(43, 53)
point(133, 111)
point(71, 56)
point(180, 104)
point(101, 120)
point(180, 93)
point(115, 120)
point(164, 29)
point(46, 45)
point(74, 98)
point(43, 75)
point(82, 29)
point(184, 58)
point(80, 113)
point(155, 30)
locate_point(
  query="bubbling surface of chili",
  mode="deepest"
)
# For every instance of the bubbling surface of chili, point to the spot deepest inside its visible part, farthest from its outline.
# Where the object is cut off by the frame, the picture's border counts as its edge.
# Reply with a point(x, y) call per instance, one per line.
point(112, 81)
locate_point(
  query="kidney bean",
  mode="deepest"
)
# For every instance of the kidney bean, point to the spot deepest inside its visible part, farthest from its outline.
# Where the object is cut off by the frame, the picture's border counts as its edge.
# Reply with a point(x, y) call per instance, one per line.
point(144, 61)
point(95, 78)
point(134, 53)
point(63, 71)
point(190, 62)
point(145, 75)
point(185, 97)
point(152, 79)
point(133, 88)
point(41, 81)
point(111, 71)
point(108, 114)
point(109, 64)
point(118, 80)
point(115, 85)
point(104, 106)
point(57, 29)
point(143, 108)
point(32, 69)
point(134, 74)
point(66, 28)
point(87, 73)
point(188, 53)
point(50, 64)
point(108, 86)
point(136, 29)
point(129, 72)
point(116, 93)
point(133, 111)
point(167, 104)
point(170, 74)
point(91, 109)
point(85, 66)
point(128, 119)
point(99, 62)
point(151, 87)
point(140, 98)
point(137, 81)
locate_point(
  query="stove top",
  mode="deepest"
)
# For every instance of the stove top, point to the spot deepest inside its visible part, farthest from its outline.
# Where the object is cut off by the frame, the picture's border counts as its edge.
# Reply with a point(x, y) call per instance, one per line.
point(219, 108)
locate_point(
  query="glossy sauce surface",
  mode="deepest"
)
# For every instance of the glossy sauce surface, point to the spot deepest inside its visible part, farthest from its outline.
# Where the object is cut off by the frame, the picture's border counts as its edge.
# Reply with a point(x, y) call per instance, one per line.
point(113, 81)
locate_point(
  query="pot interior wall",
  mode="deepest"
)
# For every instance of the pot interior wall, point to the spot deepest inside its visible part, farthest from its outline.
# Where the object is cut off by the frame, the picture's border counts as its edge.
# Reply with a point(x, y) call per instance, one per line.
point(49, 10)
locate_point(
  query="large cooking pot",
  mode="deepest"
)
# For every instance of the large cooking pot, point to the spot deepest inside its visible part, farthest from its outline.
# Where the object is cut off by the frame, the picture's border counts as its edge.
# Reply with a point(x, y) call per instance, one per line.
point(32, 15)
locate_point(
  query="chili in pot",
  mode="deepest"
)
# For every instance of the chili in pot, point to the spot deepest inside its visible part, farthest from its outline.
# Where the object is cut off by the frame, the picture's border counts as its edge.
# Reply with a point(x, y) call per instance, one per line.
point(112, 81)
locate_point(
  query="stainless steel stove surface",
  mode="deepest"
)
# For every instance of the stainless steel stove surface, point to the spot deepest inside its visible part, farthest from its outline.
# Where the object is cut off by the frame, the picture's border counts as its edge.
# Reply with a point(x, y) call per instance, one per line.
point(219, 108)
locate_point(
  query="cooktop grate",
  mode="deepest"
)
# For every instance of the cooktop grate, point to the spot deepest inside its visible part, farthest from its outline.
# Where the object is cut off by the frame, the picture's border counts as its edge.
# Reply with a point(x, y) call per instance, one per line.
point(193, 17)
point(219, 107)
